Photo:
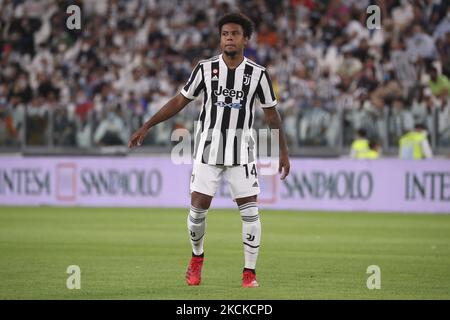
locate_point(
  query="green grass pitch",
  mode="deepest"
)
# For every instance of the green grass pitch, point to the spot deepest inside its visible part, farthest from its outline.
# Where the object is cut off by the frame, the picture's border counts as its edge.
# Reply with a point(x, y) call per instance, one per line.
point(142, 253)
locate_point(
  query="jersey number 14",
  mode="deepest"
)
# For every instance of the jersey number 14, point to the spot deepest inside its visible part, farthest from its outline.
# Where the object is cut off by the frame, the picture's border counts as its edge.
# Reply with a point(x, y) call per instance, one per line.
point(252, 172)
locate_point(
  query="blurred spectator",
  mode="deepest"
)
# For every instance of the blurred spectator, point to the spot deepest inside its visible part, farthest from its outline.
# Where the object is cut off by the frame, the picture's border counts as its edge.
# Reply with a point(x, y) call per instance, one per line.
point(64, 128)
point(421, 45)
point(444, 52)
point(439, 84)
point(373, 151)
point(443, 28)
point(22, 89)
point(444, 123)
point(360, 146)
point(349, 67)
point(403, 15)
point(37, 122)
point(423, 108)
point(404, 66)
point(389, 90)
point(111, 130)
point(414, 144)
point(290, 115)
point(8, 133)
point(314, 125)
point(84, 132)
point(401, 120)
point(83, 105)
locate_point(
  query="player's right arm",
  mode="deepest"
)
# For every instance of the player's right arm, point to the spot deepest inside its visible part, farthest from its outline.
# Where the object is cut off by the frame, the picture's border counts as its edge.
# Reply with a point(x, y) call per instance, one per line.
point(190, 91)
point(171, 108)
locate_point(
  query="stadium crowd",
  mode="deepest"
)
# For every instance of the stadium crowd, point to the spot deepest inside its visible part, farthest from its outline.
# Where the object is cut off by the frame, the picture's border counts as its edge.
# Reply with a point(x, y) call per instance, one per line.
point(332, 74)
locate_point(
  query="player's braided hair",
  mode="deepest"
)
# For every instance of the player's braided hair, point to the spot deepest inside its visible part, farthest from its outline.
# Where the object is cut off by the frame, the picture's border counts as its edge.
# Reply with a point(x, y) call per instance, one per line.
point(240, 19)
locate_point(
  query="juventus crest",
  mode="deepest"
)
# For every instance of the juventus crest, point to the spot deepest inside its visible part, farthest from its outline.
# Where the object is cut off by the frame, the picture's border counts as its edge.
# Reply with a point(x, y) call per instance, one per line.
point(247, 79)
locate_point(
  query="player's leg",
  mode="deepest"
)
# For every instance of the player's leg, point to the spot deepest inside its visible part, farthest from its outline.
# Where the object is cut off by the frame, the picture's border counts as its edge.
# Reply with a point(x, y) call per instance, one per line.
point(204, 181)
point(196, 221)
point(244, 187)
point(251, 238)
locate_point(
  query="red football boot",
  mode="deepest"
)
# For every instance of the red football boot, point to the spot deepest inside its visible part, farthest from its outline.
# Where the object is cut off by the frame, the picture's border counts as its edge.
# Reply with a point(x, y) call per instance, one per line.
point(194, 271)
point(249, 280)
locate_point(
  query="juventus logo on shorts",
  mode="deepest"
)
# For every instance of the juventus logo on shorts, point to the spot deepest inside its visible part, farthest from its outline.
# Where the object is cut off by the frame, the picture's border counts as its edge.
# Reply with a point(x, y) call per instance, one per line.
point(247, 79)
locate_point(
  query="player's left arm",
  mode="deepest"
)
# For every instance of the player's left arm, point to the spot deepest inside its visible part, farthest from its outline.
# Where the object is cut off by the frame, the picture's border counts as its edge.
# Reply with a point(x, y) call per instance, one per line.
point(273, 119)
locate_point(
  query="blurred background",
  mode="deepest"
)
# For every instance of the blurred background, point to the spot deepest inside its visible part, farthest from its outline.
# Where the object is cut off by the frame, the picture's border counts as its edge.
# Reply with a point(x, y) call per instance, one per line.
point(85, 91)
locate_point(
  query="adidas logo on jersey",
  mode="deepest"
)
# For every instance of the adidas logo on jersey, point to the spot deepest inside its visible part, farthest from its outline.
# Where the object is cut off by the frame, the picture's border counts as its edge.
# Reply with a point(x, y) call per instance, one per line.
point(238, 94)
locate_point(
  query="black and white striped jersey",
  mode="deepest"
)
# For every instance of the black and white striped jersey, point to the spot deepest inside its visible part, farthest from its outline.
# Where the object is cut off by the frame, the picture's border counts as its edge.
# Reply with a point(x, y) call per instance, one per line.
point(223, 135)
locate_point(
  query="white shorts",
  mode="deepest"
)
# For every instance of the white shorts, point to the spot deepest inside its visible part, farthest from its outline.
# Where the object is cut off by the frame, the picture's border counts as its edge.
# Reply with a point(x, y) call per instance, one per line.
point(242, 179)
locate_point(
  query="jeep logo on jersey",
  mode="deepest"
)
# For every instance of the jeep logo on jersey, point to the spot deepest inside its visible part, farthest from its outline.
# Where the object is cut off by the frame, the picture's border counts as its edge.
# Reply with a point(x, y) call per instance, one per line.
point(229, 93)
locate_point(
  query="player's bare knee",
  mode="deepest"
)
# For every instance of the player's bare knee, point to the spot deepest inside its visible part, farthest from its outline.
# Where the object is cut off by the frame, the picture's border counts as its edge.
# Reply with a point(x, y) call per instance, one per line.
point(242, 201)
point(200, 200)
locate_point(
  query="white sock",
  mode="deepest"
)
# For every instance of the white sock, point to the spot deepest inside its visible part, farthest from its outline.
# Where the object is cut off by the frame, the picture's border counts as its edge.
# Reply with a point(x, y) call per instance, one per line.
point(196, 222)
point(251, 233)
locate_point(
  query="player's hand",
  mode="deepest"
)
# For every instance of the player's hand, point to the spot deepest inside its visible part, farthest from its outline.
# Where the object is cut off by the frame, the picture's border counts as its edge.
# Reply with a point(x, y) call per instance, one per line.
point(284, 166)
point(137, 138)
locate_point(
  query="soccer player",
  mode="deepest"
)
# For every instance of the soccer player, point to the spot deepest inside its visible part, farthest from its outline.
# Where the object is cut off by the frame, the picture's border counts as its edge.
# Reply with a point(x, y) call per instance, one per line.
point(224, 145)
